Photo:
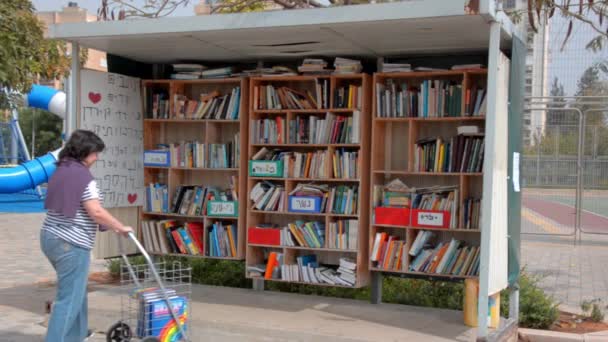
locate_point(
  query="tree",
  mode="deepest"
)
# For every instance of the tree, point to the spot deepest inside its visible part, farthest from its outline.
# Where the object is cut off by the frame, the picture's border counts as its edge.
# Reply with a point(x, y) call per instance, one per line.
point(122, 9)
point(24, 53)
point(588, 12)
point(590, 84)
point(46, 127)
point(556, 117)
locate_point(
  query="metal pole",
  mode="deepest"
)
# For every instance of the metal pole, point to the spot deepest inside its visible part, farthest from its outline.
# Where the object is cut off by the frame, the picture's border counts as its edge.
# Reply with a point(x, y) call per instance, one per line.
point(579, 170)
point(538, 139)
point(34, 111)
point(70, 119)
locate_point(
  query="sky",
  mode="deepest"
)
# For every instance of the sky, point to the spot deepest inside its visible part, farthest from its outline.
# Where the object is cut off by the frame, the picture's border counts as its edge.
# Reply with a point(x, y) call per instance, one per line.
point(93, 5)
point(569, 64)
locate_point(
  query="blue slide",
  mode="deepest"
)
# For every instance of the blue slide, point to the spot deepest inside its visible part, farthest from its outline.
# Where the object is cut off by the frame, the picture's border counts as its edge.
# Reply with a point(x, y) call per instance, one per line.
point(37, 171)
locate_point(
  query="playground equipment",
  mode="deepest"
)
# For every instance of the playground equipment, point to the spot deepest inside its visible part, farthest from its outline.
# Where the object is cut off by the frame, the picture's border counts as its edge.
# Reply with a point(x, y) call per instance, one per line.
point(34, 172)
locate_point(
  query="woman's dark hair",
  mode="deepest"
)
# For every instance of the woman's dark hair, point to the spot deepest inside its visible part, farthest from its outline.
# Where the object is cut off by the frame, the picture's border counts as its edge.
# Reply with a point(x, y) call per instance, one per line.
point(81, 144)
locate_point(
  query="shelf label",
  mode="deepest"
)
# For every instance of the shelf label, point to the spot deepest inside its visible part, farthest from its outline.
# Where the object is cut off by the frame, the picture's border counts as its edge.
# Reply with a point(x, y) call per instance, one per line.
point(304, 204)
point(430, 219)
point(156, 158)
point(221, 208)
point(273, 168)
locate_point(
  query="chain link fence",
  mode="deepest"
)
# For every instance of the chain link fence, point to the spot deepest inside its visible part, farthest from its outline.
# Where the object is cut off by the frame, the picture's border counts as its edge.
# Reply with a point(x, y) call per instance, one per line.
point(560, 198)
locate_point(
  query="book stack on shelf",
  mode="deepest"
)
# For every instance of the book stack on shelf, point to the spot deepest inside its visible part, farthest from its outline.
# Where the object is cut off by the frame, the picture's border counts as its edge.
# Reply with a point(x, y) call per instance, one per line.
point(172, 237)
point(307, 192)
point(314, 66)
point(427, 132)
point(306, 269)
point(462, 153)
point(187, 71)
point(157, 198)
point(213, 105)
point(198, 143)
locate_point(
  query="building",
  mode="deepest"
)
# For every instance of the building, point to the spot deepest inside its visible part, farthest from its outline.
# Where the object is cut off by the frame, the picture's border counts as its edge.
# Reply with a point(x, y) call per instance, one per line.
point(537, 76)
point(96, 60)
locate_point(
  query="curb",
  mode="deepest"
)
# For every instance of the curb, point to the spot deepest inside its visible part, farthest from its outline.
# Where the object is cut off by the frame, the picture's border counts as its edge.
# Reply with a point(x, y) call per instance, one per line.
point(535, 335)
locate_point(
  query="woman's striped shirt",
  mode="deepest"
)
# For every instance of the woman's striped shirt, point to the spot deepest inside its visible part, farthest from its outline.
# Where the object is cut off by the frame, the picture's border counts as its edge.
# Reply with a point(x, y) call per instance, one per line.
point(79, 230)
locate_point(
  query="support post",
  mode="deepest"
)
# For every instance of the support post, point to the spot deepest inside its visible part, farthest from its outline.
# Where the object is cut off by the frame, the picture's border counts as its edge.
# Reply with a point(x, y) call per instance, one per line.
point(258, 284)
point(376, 288)
point(73, 92)
point(490, 182)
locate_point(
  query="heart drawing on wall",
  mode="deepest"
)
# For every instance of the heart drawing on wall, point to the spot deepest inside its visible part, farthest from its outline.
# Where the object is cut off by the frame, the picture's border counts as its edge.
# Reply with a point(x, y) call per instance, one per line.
point(94, 97)
point(132, 198)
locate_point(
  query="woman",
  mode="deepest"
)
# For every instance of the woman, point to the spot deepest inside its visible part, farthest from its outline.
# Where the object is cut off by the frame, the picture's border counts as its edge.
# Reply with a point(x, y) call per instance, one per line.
point(68, 233)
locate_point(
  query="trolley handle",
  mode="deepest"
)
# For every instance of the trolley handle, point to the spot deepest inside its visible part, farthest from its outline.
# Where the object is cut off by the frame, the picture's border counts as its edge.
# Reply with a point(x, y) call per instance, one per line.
point(142, 250)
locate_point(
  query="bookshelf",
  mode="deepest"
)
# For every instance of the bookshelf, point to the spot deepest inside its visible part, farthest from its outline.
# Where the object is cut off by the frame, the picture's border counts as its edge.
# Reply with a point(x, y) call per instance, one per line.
point(331, 104)
point(401, 126)
point(170, 120)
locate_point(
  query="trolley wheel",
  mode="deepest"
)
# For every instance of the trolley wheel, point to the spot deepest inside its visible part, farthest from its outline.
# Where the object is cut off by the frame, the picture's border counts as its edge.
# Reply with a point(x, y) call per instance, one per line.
point(119, 332)
point(150, 339)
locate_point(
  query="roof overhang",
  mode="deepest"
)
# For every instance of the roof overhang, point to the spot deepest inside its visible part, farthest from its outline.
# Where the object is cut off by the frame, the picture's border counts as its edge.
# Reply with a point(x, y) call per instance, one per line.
point(373, 30)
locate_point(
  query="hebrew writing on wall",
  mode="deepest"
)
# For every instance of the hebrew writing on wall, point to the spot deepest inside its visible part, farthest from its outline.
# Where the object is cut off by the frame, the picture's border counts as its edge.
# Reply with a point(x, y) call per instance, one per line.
point(110, 106)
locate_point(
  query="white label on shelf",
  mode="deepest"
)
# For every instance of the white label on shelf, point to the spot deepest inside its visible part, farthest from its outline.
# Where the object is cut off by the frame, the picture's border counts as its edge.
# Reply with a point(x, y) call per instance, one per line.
point(303, 204)
point(222, 209)
point(264, 167)
point(430, 219)
point(155, 158)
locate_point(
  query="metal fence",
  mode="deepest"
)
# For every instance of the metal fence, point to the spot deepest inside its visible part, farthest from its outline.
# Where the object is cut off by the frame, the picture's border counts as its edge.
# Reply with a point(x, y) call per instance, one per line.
point(564, 166)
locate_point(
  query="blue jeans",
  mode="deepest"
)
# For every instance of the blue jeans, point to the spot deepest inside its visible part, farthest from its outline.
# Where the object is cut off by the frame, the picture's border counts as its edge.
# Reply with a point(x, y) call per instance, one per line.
point(69, 318)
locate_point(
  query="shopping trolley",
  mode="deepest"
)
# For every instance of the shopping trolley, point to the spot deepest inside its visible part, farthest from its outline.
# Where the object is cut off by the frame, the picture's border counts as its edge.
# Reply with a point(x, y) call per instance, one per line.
point(150, 290)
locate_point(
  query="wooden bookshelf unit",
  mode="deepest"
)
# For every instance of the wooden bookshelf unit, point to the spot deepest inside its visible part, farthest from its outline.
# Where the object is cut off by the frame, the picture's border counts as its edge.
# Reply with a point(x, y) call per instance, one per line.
point(291, 140)
point(394, 155)
point(167, 126)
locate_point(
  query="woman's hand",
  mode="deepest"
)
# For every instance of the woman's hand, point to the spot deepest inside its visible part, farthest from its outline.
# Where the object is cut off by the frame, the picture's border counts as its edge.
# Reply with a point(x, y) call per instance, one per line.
point(124, 230)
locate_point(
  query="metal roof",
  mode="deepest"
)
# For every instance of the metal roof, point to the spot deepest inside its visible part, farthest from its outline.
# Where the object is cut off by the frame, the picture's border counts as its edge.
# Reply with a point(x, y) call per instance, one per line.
point(372, 30)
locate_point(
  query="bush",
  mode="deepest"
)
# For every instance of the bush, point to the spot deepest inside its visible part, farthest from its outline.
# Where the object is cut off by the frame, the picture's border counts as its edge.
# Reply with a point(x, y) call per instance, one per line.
point(537, 310)
point(593, 306)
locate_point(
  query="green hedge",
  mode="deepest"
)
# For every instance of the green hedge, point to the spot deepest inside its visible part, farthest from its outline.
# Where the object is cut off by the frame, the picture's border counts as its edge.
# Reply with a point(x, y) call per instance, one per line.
point(537, 310)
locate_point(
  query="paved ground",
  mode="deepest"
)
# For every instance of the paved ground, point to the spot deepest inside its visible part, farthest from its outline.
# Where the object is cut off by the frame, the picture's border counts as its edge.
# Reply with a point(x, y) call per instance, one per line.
point(571, 272)
point(218, 314)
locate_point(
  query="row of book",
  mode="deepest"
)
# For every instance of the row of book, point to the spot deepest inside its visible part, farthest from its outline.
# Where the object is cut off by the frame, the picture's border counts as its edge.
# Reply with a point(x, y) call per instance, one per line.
point(195, 154)
point(349, 97)
point(222, 240)
point(306, 270)
point(157, 198)
point(341, 199)
point(192, 200)
point(169, 236)
point(343, 164)
point(341, 234)
point(304, 234)
point(430, 98)
point(333, 129)
point(277, 98)
point(462, 153)
point(472, 213)
point(214, 106)
point(451, 258)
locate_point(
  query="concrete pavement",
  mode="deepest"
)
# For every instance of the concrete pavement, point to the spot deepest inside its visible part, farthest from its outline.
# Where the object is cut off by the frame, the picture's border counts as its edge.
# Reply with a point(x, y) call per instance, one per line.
point(218, 314)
